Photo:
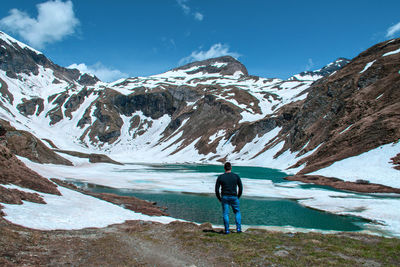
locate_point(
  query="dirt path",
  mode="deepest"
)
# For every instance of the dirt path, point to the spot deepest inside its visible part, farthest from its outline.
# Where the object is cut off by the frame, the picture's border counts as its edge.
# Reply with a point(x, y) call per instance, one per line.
point(138, 243)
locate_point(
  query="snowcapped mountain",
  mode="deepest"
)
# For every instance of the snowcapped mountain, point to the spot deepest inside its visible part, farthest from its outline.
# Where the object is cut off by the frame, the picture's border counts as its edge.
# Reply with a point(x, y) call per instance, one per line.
point(197, 105)
point(207, 111)
point(325, 71)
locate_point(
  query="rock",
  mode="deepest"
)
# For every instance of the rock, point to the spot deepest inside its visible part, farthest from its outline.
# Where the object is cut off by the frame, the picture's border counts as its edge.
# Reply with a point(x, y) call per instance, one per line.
point(28, 107)
point(206, 226)
point(16, 60)
point(75, 100)
point(281, 253)
point(13, 171)
point(15, 196)
point(96, 158)
point(396, 162)
point(5, 92)
point(24, 144)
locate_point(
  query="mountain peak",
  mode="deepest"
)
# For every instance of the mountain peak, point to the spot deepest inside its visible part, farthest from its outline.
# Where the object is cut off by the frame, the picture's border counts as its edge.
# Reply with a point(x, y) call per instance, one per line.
point(18, 58)
point(12, 42)
point(225, 65)
point(325, 71)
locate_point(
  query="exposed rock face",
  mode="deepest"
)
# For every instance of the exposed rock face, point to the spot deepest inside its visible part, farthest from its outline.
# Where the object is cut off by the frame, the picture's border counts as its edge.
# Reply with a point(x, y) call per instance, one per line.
point(13, 171)
point(14, 196)
point(5, 92)
point(75, 100)
point(30, 106)
point(396, 162)
point(24, 144)
point(16, 59)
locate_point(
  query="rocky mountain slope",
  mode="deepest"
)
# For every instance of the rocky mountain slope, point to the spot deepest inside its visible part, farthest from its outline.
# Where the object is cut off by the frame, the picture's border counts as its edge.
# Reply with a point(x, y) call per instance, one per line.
point(15, 173)
point(208, 111)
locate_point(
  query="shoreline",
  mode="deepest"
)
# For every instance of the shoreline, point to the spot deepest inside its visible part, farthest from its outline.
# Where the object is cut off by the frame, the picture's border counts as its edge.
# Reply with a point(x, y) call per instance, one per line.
point(359, 187)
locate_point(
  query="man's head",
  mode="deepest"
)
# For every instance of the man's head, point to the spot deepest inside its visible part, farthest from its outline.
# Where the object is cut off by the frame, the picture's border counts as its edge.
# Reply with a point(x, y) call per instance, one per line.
point(227, 166)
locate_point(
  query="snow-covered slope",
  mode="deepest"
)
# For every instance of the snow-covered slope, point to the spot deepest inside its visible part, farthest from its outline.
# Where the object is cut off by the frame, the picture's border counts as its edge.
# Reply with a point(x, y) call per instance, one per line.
point(206, 111)
point(195, 106)
point(329, 69)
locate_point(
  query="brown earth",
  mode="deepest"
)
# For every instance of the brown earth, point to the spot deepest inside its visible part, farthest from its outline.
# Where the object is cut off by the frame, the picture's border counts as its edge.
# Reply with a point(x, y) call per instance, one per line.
point(359, 186)
point(138, 243)
point(13, 171)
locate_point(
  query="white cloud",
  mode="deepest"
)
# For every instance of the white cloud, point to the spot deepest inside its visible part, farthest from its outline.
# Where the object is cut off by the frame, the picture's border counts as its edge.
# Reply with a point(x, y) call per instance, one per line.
point(188, 11)
point(217, 50)
point(55, 20)
point(310, 64)
point(198, 16)
point(102, 72)
point(184, 6)
point(393, 30)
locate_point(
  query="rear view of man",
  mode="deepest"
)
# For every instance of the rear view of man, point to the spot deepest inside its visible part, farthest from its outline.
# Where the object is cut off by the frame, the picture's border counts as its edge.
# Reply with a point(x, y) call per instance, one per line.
point(229, 182)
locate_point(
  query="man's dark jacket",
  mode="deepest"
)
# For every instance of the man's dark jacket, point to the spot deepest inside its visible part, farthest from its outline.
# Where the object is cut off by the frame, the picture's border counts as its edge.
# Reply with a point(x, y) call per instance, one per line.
point(228, 181)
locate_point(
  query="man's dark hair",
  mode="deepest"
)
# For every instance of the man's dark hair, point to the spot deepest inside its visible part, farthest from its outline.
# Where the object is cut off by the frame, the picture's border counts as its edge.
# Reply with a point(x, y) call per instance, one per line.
point(228, 166)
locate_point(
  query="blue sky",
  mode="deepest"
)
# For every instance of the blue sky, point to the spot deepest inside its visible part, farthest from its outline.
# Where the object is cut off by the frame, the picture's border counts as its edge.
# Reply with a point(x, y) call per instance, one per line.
point(140, 38)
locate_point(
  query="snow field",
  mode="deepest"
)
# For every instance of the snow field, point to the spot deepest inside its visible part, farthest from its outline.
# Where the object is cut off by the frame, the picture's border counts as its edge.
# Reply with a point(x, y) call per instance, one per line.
point(70, 211)
point(373, 166)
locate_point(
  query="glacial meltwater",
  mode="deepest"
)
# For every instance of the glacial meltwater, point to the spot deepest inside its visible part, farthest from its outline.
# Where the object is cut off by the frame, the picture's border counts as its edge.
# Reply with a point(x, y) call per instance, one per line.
point(263, 206)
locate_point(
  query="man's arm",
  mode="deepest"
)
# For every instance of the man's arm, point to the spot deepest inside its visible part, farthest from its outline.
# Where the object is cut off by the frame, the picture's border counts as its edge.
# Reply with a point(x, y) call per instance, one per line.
point(240, 185)
point(217, 186)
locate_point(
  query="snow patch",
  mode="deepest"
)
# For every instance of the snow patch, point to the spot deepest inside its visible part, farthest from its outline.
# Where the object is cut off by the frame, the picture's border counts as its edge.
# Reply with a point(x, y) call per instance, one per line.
point(391, 53)
point(345, 130)
point(373, 166)
point(70, 211)
point(367, 66)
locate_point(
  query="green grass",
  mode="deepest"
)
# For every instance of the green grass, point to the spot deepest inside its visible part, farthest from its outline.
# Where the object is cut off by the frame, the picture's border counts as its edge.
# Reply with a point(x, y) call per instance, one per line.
point(258, 247)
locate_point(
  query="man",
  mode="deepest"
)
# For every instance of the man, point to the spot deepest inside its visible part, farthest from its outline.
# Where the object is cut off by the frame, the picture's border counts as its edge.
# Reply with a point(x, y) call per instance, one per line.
point(229, 182)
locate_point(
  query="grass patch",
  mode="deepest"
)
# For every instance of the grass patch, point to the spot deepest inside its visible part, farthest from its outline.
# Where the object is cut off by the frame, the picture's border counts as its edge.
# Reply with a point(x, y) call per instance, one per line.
point(259, 247)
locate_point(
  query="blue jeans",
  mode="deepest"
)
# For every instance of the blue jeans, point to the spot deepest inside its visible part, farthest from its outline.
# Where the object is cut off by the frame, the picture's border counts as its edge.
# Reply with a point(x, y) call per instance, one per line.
point(232, 201)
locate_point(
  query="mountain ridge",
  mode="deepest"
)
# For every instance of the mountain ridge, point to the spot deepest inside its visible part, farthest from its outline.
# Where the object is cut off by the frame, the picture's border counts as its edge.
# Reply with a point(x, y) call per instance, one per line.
point(207, 111)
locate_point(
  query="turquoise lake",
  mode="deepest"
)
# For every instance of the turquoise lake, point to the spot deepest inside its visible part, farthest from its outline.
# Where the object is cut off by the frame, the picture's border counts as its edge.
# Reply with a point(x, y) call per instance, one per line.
point(255, 210)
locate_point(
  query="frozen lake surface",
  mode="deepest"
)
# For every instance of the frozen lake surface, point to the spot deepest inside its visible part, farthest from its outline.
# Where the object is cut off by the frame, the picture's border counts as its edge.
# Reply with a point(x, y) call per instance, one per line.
point(268, 200)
